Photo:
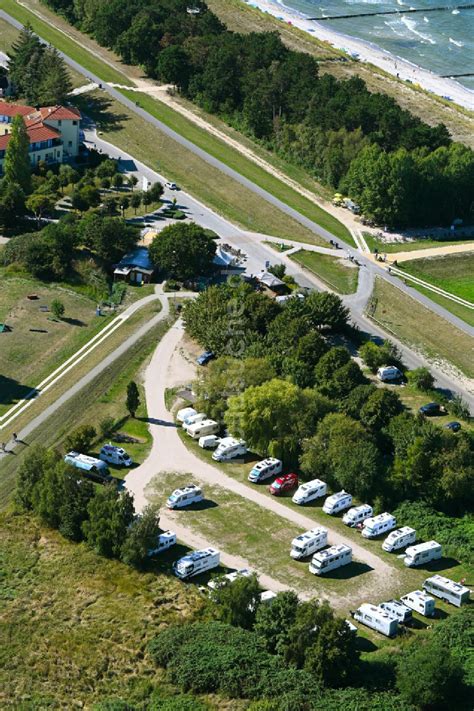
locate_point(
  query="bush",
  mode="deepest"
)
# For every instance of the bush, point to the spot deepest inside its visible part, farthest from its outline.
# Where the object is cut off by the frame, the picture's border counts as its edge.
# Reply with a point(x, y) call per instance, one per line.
point(375, 356)
point(57, 308)
point(459, 408)
point(107, 427)
point(421, 378)
point(81, 439)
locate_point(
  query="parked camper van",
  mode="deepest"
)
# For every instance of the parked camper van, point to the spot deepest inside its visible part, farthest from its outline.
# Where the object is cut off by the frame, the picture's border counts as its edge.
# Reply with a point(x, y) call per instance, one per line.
point(185, 412)
point(93, 468)
point(115, 455)
point(267, 597)
point(229, 448)
point(209, 441)
point(447, 589)
point(165, 541)
point(338, 502)
point(395, 608)
point(203, 428)
point(266, 469)
point(357, 514)
point(422, 553)
point(330, 559)
point(193, 419)
point(419, 602)
point(400, 538)
point(309, 542)
point(309, 491)
point(377, 525)
point(230, 578)
point(185, 497)
point(196, 562)
point(389, 374)
point(377, 619)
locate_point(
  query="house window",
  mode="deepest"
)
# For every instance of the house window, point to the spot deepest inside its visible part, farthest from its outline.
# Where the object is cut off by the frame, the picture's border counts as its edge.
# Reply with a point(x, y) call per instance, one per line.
point(59, 123)
point(69, 143)
point(74, 123)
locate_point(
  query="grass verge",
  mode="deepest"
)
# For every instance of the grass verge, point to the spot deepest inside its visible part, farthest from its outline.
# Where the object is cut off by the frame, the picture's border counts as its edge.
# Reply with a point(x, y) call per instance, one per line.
point(451, 272)
point(392, 248)
point(420, 328)
point(462, 312)
point(337, 274)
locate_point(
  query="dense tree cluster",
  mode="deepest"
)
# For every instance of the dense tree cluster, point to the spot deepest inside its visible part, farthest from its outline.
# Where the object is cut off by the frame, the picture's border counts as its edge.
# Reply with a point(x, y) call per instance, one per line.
point(401, 171)
point(183, 251)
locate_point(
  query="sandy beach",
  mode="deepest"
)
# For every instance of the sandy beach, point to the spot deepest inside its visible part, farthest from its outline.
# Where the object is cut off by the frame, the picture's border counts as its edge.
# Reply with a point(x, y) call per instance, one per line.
point(367, 52)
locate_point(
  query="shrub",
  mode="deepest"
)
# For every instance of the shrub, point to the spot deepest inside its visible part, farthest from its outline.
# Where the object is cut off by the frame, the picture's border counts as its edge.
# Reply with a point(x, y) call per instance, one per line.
point(81, 439)
point(459, 408)
point(57, 308)
point(421, 378)
point(107, 427)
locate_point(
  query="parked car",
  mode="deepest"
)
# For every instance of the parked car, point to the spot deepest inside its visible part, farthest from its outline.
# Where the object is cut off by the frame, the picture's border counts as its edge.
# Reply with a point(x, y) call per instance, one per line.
point(287, 482)
point(432, 409)
point(205, 357)
point(171, 186)
point(453, 426)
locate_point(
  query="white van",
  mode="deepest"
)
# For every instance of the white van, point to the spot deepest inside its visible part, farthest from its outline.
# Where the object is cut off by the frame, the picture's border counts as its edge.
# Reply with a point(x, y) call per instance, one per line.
point(377, 619)
point(309, 542)
point(228, 448)
point(185, 497)
point(356, 515)
point(196, 562)
point(419, 602)
point(447, 589)
point(192, 419)
point(266, 469)
point(267, 597)
point(398, 610)
point(330, 559)
point(209, 441)
point(165, 541)
point(203, 428)
point(422, 553)
point(389, 373)
point(400, 538)
point(309, 491)
point(115, 455)
point(230, 578)
point(337, 502)
point(185, 412)
point(377, 525)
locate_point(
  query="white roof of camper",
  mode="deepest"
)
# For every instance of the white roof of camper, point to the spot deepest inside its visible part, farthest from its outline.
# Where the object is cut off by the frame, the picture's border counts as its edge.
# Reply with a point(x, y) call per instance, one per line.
point(448, 584)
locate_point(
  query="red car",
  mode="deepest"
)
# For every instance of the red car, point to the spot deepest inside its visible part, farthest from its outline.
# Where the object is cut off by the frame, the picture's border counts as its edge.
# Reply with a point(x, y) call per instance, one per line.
point(287, 482)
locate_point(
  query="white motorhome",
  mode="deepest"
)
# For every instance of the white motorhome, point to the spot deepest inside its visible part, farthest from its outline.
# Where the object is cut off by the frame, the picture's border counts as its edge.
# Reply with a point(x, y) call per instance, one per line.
point(330, 559)
point(185, 412)
point(93, 468)
point(309, 491)
point(400, 538)
point(419, 602)
point(377, 525)
point(398, 610)
point(377, 619)
point(309, 542)
point(266, 469)
point(115, 455)
point(447, 589)
point(185, 497)
point(224, 580)
point(422, 553)
point(357, 514)
point(196, 562)
point(337, 502)
point(228, 448)
point(267, 597)
point(193, 419)
point(203, 428)
point(209, 441)
point(165, 541)
point(389, 374)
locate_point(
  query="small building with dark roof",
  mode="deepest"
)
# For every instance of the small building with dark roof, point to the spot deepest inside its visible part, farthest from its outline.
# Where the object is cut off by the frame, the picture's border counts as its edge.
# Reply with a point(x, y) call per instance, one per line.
point(135, 267)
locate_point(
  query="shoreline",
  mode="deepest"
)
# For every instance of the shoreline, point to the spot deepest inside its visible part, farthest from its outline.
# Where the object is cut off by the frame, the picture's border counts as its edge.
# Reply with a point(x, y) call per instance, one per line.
point(370, 52)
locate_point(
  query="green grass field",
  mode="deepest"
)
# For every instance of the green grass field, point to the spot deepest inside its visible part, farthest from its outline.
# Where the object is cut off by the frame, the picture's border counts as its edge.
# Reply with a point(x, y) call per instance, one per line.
point(339, 275)
point(419, 327)
point(453, 273)
point(462, 312)
point(391, 248)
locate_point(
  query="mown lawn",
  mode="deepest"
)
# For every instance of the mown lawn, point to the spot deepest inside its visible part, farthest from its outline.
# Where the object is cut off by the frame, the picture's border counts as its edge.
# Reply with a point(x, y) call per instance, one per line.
point(419, 327)
point(453, 273)
point(338, 275)
point(462, 312)
point(390, 248)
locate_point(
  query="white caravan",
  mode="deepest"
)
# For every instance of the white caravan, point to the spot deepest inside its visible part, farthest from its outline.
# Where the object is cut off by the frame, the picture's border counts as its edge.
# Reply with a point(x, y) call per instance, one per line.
point(192, 419)
point(196, 562)
point(357, 514)
point(185, 497)
point(377, 619)
point(209, 441)
point(185, 412)
point(203, 428)
point(337, 502)
point(388, 374)
point(377, 525)
point(93, 468)
point(309, 542)
point(422, 553)
point(309, 491)
point(330, 559)
point(228, 448)
point(400, 538)
point(419, 602)
point(267, 597)
point(224, 580)
point(266, 469)
point(398, 610)
point(165, 541)
point(447, 589)
point(115, 455)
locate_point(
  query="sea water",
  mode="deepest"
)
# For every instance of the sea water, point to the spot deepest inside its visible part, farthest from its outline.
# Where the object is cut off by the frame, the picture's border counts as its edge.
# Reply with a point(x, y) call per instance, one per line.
point(442, 41)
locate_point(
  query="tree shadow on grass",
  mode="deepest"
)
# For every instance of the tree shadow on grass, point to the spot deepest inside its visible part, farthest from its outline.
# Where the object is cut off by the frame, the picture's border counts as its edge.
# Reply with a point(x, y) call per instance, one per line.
point(98, 109)
point(156, 421)
point(73, 321)
point(11, 391)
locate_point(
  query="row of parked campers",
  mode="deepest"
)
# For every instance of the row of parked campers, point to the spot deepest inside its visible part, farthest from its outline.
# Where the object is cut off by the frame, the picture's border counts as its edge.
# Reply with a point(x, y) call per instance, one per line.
point(323, 561)
point(97, 469)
